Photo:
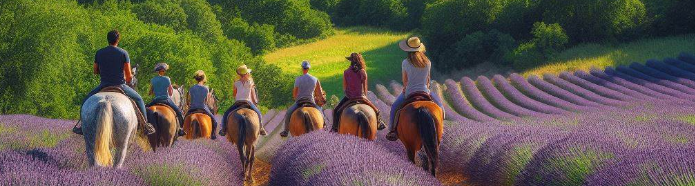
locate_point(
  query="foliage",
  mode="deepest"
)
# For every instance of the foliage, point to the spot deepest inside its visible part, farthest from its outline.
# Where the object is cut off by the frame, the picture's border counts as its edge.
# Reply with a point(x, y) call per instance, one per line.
point(596, 20)
point(548, 39)
point(477, 48)
point(43, 38)
point(380, 13)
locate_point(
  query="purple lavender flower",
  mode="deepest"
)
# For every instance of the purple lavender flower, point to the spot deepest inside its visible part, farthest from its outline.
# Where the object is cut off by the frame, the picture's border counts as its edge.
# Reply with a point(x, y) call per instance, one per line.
point(396, 88)
point(680, 64)
point(619, 80)
point(666, 83)
point(519, 98)
point(450, 115)
point(479, 101)
point(497, 99)
point(651, 85)
point(385, 95)
point(560, 93)
point(669, 69)
point(581, 91)
point(522, 85)
point(589, 86)
point(660, 75)
point(608, 84)
point(462, 105)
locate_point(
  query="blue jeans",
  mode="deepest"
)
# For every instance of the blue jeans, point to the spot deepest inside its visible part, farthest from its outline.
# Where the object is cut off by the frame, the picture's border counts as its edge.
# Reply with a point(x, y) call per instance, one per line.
point(170, 103)
point(397, 104)
point(293, 108)
point(132, 94)
point(212, 117)
point(236, 106)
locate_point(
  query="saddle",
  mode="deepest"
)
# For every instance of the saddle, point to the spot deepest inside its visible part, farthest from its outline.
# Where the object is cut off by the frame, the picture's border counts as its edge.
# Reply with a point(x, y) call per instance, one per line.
point(413, 97)
point(195, 111)
point(140, 115)
point(351, 102)
point(241, 105)
point(305, 102)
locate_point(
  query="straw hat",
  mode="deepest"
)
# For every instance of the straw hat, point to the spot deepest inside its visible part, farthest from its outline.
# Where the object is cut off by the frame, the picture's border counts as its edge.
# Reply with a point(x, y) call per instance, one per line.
point(200, 76)
point(243, 70)
point(161, 66)
point(412, 44)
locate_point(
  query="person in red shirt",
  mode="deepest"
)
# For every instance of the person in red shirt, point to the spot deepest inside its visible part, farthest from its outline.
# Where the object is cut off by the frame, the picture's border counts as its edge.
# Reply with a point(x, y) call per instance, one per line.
point(356, 87)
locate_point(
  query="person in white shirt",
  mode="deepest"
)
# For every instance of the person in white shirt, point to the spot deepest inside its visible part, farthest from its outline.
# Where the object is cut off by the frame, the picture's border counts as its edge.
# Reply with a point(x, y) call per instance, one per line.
point(244, 93)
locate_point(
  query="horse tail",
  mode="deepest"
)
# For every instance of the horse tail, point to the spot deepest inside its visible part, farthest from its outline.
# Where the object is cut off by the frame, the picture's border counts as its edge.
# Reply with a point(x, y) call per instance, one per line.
point(156, 139)
point(242, 120)
point(196, 128)
point(363, 123)
point(428, 133)
point(104, 135)
point(307, 122)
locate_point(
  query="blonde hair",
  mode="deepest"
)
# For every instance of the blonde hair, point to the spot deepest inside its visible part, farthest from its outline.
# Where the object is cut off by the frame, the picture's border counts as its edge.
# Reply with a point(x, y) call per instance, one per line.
point(200, 76)
point(418, 59)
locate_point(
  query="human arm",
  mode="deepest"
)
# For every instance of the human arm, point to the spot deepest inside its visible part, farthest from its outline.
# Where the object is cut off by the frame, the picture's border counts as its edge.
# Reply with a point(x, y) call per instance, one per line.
point(151, 92)
point(127, 73)
point(96, 68)
point(405, 80)
point(365, 82)
point(295, 91)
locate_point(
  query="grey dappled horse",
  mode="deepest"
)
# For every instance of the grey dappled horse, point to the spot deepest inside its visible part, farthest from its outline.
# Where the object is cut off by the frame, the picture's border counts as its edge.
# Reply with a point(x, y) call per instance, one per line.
point(109, 122)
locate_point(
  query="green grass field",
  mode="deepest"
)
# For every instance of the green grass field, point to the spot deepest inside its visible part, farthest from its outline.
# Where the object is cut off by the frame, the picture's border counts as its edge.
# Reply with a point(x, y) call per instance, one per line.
point(327, 56)
point(586, 56)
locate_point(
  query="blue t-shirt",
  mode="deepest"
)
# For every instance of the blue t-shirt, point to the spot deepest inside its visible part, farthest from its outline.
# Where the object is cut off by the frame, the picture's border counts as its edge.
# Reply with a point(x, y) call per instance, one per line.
point(160, 87)
point(110, 61)
point(198, 94)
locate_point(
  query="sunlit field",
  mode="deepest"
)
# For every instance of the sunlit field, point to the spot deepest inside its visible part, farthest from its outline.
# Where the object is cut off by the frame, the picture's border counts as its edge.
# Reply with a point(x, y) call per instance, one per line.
point(379, 48)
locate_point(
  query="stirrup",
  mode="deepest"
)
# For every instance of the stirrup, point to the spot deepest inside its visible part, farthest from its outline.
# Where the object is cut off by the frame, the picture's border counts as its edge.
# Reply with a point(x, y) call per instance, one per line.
point(381, 125)
point(263, 132)
point(149, 129)
point(284, 133)
point(222, 133)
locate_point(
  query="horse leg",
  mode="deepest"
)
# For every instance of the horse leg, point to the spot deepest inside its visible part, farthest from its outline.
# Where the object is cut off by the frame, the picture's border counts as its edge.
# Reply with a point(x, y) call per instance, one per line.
point(247, 166)
point(121, 148)
point(89, 148)
point(240, 148)
point(411, 156)
point(251, 160)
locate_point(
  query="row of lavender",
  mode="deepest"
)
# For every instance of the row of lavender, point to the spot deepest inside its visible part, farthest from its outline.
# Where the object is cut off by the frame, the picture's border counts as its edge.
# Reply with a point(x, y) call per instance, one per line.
point(39, 151)
point(517, 97)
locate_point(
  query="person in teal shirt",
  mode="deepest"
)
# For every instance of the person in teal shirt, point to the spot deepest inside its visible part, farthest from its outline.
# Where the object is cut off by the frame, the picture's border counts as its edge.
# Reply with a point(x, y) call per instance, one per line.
point(162, 90)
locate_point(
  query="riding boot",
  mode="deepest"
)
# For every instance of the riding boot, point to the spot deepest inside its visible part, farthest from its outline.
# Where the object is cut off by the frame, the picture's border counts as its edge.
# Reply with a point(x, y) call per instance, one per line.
point(149, 129)
point(381, 123)
point(181, 132)
point(284, 133)
point(77, 130)
point(263, 132)
point(223, 130)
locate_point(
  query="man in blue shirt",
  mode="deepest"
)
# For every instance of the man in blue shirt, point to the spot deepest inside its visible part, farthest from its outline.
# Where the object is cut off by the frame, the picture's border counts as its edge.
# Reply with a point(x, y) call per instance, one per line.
point(113, 66)
point(162, 90)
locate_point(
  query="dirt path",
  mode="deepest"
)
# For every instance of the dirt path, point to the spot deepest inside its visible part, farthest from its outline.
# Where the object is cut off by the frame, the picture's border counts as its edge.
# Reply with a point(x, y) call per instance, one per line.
point(453, 179)
point(261, 173)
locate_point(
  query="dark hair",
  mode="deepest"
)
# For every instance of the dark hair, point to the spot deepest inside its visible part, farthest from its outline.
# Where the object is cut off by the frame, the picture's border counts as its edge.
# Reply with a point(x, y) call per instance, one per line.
point(113, 36)
point(357, 62)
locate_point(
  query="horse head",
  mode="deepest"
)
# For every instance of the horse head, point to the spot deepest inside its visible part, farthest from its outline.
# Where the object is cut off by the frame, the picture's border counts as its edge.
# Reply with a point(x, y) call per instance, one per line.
point(213, 103)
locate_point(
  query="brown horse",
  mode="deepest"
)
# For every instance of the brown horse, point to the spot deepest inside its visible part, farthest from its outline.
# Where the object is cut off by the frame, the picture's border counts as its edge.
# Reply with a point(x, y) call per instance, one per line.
point(165, 124)
point(305, 120)
point(243, 129)
point(420, 125)
point(199, 125)
point(359, 120)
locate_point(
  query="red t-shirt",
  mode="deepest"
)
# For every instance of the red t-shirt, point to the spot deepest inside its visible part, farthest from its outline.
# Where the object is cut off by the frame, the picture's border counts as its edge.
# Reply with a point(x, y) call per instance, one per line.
point(354, 81)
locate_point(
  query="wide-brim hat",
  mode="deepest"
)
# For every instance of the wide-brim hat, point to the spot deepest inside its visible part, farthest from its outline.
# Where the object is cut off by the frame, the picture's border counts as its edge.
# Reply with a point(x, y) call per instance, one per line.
point(243, 70)
point(412, 44)
point(161, 66)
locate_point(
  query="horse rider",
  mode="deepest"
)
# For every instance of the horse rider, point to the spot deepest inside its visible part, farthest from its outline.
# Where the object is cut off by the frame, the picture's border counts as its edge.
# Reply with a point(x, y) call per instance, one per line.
point(112, 64)
point(416, 78)
point(162, 90)
point(305, 87)
point(199, 95)
point(244, 94)
point(355, 85)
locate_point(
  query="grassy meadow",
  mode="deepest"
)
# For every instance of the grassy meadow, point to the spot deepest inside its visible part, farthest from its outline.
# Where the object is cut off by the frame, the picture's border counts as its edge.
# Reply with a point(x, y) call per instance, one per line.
point(586, 56)
point(327, 56)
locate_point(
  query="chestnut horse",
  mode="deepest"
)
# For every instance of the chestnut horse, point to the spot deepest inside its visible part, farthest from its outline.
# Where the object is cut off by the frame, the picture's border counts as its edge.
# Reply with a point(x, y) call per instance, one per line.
point(359, 120)
point(305, 120)
point(420, 125)
point(166, 126)
point(199, 125)
point(243, 129)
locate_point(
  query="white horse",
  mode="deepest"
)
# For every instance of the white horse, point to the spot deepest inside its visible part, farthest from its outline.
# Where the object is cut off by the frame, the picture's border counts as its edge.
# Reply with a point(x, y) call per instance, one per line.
point(109, 122)
point(177, 97)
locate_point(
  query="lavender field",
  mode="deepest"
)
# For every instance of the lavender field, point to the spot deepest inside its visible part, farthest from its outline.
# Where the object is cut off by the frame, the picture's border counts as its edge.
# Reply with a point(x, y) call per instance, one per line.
point(627, 125)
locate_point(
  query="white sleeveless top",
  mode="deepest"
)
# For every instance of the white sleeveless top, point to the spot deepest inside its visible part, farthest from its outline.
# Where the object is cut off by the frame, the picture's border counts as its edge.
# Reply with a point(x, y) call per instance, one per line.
point(243, 90)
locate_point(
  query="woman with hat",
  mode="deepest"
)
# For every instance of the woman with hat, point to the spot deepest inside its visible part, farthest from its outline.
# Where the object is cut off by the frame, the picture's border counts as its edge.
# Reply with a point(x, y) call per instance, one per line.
point(355, 86)
point(244, 92)
point(416, 78)
point(162, 90)
point(198, 96)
